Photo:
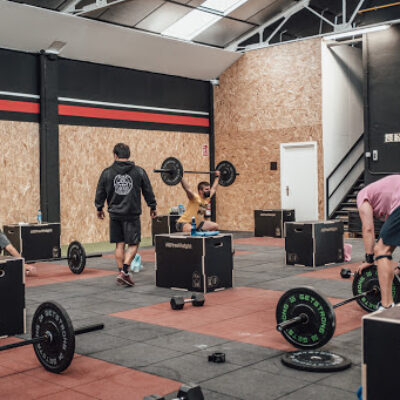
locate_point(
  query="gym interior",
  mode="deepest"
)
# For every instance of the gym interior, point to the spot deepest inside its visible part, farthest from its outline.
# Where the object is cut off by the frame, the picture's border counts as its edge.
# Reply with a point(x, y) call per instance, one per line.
point(299, 101)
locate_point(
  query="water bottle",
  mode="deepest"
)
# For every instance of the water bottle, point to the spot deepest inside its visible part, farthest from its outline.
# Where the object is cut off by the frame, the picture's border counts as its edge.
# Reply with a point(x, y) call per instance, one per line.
point(39, 217)
point(181, 209)
point(193, 229)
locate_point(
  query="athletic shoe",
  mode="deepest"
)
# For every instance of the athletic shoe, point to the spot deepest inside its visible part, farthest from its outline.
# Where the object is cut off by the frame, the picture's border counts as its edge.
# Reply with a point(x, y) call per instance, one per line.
point(381, 308)
point(125, 279)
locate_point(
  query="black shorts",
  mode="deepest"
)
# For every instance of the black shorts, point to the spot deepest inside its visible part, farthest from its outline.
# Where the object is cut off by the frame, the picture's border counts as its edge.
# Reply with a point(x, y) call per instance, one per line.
point(179, 226)
point(125, 231)
point(390, 231)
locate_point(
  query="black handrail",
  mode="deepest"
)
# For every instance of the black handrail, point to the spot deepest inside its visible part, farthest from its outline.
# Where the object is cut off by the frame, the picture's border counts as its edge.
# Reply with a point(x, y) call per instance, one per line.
point(345, 156)
point(328, 195)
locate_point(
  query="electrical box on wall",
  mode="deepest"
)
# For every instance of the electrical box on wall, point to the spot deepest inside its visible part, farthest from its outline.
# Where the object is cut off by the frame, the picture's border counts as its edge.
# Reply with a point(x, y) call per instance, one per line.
point(273, 166)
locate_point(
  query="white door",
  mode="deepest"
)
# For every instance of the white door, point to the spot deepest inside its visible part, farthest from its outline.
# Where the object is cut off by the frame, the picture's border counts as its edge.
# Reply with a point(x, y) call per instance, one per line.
point(299, 179)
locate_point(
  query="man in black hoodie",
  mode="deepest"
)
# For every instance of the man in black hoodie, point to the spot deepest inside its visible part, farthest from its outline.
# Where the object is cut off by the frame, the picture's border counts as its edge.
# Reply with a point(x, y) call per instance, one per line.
point(121, 185)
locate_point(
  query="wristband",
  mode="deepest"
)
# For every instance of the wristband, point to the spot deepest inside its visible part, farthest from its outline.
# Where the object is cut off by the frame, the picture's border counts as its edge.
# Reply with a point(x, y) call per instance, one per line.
point(369, 258)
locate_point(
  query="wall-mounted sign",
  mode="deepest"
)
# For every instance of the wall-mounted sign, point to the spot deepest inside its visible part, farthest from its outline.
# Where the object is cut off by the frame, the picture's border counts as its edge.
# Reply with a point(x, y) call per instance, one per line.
point(392, 137)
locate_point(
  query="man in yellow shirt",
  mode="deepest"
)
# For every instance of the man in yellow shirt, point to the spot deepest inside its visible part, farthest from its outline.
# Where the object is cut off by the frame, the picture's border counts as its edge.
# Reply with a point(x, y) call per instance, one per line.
point(197, 206)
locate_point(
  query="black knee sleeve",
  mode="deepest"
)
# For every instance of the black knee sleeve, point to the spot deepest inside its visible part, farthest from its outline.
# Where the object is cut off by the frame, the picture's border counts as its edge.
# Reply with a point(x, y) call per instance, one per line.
point(389, 257)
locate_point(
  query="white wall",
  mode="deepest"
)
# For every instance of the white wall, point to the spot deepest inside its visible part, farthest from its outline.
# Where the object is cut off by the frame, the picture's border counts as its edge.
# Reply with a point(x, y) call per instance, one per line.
point(342, 105)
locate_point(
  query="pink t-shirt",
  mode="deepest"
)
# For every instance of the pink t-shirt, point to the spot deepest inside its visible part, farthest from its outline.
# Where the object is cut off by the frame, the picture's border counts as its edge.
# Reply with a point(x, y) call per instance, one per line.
point(383, 195)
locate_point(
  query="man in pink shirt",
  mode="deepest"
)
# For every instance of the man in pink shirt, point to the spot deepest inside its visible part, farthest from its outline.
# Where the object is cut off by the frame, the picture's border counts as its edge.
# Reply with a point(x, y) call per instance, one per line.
point(381, 199)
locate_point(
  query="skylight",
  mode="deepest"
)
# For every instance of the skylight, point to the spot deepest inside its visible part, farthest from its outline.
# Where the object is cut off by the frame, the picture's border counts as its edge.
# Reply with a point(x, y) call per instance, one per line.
point(196, 21)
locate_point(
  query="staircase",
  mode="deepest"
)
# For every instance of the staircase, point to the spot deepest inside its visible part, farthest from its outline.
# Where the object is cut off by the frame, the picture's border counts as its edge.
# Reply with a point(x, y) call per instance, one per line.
point(344, 183)
point(349, 203)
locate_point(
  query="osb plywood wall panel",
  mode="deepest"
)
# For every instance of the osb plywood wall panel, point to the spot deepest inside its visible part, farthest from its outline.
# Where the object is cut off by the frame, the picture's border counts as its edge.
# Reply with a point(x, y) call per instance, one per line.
point(86, 151)
point(270, 96)
point(19, 178)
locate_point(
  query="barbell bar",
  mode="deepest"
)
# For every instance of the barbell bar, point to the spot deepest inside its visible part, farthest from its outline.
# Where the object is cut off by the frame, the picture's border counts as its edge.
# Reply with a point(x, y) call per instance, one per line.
point(306, 319)
point(172, 172)
point(76, 257)
point(53, 337)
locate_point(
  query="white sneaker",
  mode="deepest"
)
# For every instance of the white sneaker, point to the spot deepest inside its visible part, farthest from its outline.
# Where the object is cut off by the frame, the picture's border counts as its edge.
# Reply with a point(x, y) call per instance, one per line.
point(381, 308)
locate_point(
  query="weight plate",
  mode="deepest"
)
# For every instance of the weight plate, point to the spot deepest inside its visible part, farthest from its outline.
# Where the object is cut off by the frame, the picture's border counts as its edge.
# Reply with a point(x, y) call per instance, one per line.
point(175, 174)
point(315, 361)
point(76, 257)
point(366, 281)
point(227, 173)
point(57, 353)
point(321, 321)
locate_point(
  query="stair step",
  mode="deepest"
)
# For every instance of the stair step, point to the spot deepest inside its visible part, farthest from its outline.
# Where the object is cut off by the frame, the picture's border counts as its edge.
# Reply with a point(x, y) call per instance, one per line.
point(342, 212)
point(351, 204)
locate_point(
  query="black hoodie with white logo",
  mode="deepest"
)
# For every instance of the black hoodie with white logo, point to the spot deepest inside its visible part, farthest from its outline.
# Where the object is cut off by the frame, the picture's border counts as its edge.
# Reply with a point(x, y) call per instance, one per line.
point(121, 185)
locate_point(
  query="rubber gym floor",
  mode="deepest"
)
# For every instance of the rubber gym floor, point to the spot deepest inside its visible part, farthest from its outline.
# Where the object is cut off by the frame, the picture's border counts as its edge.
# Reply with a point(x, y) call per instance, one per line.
point(148, 348)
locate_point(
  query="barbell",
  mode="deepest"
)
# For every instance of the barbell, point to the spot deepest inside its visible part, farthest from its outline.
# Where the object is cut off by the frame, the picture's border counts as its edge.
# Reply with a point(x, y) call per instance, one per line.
point(76, 256)
point(364, 281)
point(53, 337)
point(172, 172)
point(306, 319)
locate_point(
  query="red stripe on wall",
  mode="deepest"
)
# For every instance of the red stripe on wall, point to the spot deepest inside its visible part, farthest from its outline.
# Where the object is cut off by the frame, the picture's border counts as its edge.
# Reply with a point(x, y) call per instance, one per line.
point(19, 106)
point(104, 113)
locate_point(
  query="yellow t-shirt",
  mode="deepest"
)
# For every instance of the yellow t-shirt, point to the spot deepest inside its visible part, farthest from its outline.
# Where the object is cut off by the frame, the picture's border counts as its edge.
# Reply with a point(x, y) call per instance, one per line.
point(195, 208)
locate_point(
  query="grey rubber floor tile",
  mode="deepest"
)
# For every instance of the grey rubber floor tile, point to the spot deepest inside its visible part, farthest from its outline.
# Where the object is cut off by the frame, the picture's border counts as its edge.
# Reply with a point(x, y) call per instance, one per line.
point(187, 342)
point(109, 307)
point(319, 392)
point(209, 395)
point(189, 368)
point(350, 379)
point(140, 331)
point(249, 383)
point(241, 353)
point(94, 342)
point(136, 355)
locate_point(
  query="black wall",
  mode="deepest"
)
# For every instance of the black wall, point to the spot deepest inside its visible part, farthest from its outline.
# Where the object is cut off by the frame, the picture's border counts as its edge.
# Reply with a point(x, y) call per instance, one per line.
point(381, 53)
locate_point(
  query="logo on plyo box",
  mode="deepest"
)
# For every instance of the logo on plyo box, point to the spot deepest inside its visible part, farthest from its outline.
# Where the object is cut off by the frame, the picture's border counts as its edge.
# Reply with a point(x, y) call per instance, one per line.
point(185, 246)
point(34, 231)
point(334, 229)
point(123, 184)
point(196, 279)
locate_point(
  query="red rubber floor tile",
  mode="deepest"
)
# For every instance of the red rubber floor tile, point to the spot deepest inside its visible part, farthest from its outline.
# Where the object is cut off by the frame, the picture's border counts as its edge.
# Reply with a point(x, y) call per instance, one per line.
point(86, 378)
point(67, 395)
point(242, 314)
point(82, 370)
point(147, 255)
point(24, 387)
point(131, 385)
point(262, 241)
point(331, 272)
point(48, 274)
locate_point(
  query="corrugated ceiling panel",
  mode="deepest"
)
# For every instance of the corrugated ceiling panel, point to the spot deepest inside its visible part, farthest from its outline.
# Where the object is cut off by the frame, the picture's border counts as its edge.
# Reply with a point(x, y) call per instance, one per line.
point(223, 32)
point(163, 17)
point(131, 12)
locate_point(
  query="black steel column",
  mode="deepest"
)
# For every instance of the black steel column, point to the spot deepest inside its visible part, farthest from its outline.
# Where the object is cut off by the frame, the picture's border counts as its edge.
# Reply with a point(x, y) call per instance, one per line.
point(211, 140)
point(49, 148)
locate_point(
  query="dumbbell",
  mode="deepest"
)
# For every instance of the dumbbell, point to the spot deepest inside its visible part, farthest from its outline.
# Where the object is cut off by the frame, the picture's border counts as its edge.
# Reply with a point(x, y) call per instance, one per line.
point(186, 392)
point(178, 302)
point(346, 273)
